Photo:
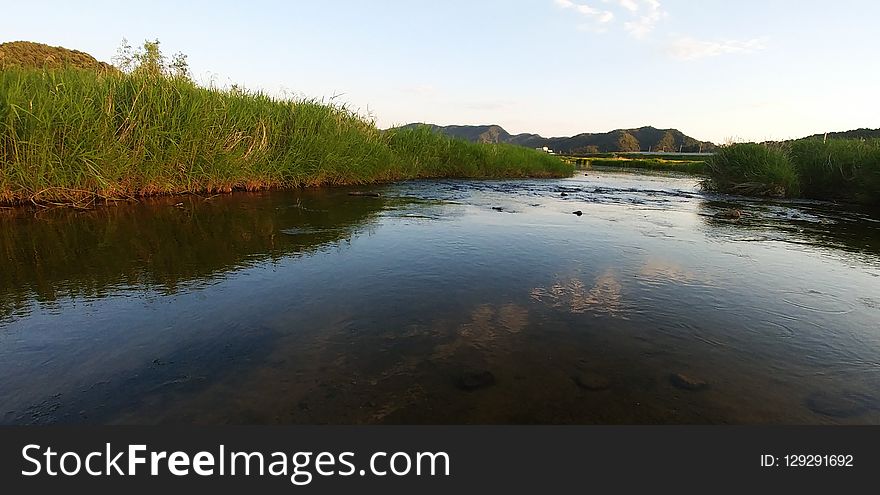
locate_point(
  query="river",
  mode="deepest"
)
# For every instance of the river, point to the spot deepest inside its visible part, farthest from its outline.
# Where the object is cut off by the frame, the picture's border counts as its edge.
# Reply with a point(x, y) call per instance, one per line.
point(444, 302)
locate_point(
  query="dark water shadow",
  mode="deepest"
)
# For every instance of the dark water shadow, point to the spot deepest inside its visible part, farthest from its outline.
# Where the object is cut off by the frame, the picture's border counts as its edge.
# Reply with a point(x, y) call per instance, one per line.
point(163, 244)
point(818, 224)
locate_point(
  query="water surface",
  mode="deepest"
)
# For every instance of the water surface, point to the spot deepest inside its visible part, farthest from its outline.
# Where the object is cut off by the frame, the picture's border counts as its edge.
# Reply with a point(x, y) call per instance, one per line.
point(443, 302)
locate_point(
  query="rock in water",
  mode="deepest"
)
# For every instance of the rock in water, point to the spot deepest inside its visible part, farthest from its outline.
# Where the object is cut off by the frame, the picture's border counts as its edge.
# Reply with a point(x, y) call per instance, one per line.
point(732, 214)
point(589, 380)
point(364, 193)
point(578, 213)
point(686, 382)
point(476, 380)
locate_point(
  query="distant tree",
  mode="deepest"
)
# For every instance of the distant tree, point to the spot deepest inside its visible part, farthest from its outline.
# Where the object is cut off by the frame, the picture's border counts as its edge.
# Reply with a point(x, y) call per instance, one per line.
point(149, 60)
point(666, 143)
point(627, 143)
point(586, 150)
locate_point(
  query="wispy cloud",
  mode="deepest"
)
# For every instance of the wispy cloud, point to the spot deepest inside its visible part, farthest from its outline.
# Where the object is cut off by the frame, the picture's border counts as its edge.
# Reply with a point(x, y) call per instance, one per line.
point(640, 18)
point(642, 15)
point(693, 49)
point(596, 15)
point(630, 5)
point(646, 19)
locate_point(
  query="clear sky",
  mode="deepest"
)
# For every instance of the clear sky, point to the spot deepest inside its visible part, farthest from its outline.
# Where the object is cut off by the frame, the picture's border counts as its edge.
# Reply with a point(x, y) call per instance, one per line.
point(747, 70)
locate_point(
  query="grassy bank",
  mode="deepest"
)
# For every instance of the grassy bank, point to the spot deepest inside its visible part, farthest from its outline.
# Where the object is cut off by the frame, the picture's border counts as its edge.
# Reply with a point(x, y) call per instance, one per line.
point(74, 136)
point(840, 170)
point(689, 165)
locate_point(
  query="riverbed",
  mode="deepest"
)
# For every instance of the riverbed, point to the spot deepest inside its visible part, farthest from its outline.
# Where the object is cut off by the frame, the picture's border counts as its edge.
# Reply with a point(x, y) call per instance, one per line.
point(444, 302)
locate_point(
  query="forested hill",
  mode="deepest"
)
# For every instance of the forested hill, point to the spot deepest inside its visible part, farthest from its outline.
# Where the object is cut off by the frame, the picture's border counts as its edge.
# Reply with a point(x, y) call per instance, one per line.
point(640, 139)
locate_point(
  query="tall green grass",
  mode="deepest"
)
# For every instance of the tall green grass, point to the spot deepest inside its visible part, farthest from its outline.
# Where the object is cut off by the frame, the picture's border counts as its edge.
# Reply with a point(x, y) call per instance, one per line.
point(72, 136)
point(753, 169)
point(839, 169)
point(845, 170)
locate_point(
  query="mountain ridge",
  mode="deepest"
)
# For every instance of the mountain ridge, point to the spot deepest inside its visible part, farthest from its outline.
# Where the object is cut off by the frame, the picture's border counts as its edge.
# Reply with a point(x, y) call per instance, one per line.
point(645, 138)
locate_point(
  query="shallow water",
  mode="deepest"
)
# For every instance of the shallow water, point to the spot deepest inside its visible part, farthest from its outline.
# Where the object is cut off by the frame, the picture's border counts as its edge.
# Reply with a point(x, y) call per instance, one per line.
point(443, 302)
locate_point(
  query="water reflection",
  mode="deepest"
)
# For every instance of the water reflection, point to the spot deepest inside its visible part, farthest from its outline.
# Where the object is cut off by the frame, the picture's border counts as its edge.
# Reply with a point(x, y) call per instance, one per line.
point(660, 271)
point(602, 298)
point(162, 244)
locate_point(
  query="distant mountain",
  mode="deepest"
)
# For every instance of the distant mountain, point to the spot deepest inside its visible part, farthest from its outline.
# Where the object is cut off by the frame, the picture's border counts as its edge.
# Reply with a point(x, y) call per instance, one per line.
point(862, 133)
point(641, 139)
point(38, 55)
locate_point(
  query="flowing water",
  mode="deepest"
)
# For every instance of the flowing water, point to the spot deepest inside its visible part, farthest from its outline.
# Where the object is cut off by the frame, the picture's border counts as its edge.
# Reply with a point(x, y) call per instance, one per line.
point(443, 302)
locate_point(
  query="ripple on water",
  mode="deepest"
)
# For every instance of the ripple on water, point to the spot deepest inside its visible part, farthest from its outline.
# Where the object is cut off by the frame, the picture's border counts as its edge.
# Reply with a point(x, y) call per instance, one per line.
point(820, 302)
point(870, 302)
point(843, 404)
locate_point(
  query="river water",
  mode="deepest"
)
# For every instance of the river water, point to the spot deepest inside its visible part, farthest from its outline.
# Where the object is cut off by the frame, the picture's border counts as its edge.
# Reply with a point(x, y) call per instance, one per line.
point(443, 302)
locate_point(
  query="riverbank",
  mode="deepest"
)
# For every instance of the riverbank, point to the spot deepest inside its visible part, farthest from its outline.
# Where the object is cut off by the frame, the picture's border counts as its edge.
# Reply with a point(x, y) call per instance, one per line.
point(845, 170)
point(667, 163)
point(77, 137)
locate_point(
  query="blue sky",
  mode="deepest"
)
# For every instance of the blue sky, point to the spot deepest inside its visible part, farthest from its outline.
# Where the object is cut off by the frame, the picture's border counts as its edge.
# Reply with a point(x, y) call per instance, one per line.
point(717, 70)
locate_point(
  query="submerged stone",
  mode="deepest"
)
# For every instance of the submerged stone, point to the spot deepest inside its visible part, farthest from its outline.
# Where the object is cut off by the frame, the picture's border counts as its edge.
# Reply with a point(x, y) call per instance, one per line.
point(364, 193)
point(475, 380)
point(686, 382)
point(732, 214)
point(589, 380)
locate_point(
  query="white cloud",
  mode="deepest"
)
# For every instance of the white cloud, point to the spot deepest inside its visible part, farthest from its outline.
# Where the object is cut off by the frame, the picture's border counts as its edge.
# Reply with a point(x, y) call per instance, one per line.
point(597, 15)
point(640, 18)
point(630, 5)
point(643, 24)
point(643, 15)
point(694, 49)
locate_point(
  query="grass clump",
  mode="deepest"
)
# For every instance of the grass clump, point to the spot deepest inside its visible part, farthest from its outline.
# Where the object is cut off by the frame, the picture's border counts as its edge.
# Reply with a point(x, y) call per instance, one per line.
point(837, 169)
point(424, 152)
point(73, 136)
point(754, 170)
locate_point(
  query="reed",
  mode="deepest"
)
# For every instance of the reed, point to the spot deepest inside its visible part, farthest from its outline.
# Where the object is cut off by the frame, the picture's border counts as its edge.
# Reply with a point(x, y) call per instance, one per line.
point(837, 169)
point(753, 170)
point(72, 136)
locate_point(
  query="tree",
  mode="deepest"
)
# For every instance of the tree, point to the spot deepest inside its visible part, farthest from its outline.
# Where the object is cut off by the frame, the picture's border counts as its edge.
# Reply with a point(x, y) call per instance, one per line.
point(585, 150)
point(666, 143)
point(148, 60)
point(628, 143)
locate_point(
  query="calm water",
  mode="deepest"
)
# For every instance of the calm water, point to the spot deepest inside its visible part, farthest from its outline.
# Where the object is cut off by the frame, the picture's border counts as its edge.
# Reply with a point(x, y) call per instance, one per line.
point(429, 305)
